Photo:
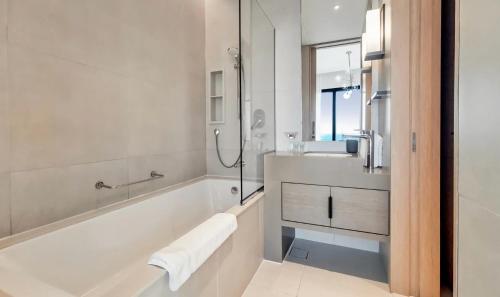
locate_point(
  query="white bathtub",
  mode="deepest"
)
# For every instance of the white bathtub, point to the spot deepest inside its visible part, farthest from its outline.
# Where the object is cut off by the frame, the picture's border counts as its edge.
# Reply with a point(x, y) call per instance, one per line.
point(106, 255)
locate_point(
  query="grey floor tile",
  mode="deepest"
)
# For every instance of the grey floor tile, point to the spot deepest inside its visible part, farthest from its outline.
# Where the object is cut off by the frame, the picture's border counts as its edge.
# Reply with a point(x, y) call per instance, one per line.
point(339, 259)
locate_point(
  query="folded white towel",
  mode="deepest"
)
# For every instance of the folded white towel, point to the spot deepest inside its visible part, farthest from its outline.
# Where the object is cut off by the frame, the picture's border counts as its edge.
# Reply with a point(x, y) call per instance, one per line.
point(176, 262)
point(379, 149)
point(185, 255)
point(206, 238)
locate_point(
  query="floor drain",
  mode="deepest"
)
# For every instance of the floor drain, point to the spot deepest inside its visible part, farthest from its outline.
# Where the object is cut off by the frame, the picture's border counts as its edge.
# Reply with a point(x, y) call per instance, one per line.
point(299, 253)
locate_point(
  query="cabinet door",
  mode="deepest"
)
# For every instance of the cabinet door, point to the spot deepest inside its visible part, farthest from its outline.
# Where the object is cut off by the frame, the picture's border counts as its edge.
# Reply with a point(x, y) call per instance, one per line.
point(305, 203)
point(361, 210)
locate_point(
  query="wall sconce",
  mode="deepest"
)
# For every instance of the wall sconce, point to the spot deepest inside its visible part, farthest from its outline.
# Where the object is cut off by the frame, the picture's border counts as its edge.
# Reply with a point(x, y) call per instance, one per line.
point(366, 66)
point(375, 34)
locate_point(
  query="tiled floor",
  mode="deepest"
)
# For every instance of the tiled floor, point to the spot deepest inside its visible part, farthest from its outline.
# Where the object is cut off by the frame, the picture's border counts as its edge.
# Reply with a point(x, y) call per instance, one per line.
point(340, 259)
point(293, 279)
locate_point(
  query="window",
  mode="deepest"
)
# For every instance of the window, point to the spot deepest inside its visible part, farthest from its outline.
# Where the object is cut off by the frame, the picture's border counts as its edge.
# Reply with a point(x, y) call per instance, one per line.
point(338, 115)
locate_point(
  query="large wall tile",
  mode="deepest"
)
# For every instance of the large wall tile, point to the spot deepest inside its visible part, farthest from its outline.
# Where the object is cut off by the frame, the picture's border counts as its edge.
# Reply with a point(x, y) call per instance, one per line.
point(5, 227)
point(64, 113)
point(55, 27)
point(478, 102)
point(98, 90)
point(4, 205)
point(108, 48)
point(478, 159)
point(190, 132)
point(169, 117)
point(4, 113)
point(151, 119)
point(479, 259)
point(44, 196)
point(192, 164)
point(75, 31)
point(143, 41)
point(3, 22)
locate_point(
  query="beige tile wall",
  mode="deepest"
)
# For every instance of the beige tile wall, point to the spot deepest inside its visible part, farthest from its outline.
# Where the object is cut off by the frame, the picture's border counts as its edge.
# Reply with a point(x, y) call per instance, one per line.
point(96, 90)
point(478, 252)
point(4, 127)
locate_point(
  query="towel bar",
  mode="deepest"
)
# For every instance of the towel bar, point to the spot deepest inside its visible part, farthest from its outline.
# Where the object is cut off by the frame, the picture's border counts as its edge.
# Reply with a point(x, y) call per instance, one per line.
point(154, 175)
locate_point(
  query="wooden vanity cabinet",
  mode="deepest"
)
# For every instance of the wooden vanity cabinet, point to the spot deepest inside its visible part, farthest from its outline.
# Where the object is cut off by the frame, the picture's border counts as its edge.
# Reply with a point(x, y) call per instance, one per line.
point(305, 204)
point(361, 210)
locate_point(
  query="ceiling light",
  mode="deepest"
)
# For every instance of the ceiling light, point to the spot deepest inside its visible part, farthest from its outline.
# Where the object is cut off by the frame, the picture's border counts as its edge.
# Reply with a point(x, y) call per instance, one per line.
point(336, 7)
point(348, 95)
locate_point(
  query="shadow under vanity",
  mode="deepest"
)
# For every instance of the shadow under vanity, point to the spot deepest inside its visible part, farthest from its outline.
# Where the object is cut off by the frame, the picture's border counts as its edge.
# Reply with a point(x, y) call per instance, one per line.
point(329, 194)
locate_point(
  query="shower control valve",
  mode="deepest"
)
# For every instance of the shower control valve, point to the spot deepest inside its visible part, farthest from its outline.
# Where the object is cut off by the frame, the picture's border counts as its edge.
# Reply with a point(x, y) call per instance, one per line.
point(240, 164)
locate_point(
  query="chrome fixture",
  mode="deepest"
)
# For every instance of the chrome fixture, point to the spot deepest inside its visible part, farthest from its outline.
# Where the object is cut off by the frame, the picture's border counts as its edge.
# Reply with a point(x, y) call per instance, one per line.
point(235, 53)
point(239, 162)
point(154, 175)
point(291, 135)
point(236, 163)
point(369, 135)
point(235, 190)
point(257, 124)
point(377, 95)
point(259, 119)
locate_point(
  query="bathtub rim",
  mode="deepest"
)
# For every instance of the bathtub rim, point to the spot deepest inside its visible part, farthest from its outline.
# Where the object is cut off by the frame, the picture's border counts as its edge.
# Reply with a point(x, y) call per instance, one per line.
point(149, 274)
point(18, 238)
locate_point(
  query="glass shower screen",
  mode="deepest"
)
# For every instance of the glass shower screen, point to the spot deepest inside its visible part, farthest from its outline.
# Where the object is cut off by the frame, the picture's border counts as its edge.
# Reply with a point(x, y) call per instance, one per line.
point(257, 94)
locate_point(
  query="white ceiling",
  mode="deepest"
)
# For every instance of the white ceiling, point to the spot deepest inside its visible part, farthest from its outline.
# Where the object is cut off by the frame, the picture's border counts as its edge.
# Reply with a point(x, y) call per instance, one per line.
point(333, 59)
point(322, 23)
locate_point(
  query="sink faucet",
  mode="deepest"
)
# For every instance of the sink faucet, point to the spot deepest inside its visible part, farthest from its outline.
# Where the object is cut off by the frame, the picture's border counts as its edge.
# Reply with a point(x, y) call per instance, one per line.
point(369, 135)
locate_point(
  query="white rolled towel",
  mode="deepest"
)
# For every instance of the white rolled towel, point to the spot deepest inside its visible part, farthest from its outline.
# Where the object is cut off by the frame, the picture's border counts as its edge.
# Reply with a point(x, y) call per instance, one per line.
point(176, 262)
point(379, 149)
point(189, 252)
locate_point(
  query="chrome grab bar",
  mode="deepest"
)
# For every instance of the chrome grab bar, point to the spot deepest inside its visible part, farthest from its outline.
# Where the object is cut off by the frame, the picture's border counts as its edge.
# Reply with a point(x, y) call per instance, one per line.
point(154, 175)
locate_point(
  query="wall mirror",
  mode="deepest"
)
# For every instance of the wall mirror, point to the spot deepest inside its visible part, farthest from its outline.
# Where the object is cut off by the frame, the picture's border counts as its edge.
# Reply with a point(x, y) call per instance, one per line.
point(333, 104)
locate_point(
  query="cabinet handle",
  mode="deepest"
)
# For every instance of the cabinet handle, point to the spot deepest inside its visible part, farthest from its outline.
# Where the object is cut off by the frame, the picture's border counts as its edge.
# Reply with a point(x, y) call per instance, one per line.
point(330, 207)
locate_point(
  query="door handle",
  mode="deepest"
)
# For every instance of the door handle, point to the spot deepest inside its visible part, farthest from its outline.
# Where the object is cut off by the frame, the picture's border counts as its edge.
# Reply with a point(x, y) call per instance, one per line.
point(330, 207)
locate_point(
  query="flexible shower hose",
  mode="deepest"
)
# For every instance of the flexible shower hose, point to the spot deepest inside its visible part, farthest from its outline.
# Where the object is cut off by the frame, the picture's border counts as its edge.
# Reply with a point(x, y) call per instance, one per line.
point(238, 160)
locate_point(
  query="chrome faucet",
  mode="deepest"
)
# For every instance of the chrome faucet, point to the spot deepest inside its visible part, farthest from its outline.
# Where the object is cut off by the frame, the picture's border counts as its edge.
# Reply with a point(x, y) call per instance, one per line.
point(369, 135)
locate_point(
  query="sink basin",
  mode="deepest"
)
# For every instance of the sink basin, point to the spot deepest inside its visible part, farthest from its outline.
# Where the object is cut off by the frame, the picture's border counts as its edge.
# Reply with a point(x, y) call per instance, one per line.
point(328, 154)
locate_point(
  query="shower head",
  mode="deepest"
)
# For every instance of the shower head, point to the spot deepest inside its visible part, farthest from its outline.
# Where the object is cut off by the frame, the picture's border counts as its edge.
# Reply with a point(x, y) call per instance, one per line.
point(216, 132)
